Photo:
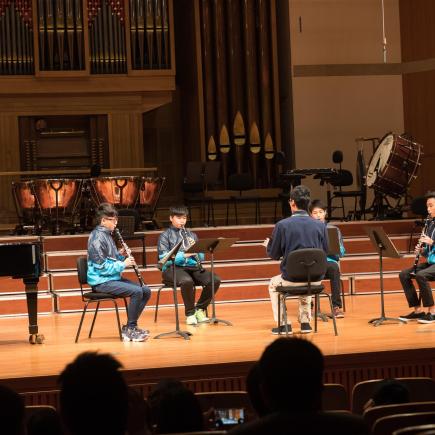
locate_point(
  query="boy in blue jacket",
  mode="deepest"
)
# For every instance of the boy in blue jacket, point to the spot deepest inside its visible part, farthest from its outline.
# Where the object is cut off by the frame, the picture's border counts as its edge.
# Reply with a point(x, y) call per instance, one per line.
point(105, 266)
point(425, 272)
point(318, 211)
point(188, 269)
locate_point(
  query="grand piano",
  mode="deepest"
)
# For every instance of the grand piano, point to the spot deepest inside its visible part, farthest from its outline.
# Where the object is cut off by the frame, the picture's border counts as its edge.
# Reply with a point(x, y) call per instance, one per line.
point(24, 261)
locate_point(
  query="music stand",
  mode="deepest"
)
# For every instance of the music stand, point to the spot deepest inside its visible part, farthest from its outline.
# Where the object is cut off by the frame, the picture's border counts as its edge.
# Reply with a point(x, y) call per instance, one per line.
point(385, 247)
point(171, 256)
point(211, 246)
point(333, 249)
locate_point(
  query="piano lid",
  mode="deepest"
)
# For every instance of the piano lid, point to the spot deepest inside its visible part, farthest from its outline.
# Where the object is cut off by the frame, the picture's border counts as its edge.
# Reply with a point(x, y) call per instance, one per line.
point(20, 260)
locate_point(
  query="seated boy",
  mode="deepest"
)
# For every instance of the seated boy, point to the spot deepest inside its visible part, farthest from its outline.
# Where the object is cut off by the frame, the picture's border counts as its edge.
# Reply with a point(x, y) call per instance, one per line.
point(318, 211)
point(188, 268)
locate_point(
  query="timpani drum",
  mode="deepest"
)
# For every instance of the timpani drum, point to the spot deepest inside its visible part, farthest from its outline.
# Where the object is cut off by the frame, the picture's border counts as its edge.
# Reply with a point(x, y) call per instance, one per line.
point(122, 192)
point(393, 165)
point(24, 199)
point(57, 200)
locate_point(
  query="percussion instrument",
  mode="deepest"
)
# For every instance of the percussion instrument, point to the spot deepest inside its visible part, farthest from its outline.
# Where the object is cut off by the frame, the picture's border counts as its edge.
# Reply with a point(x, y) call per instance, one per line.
point(119, 191)
point(57, 200)
point(24, 200)
point(393, 165)
point(149, 190)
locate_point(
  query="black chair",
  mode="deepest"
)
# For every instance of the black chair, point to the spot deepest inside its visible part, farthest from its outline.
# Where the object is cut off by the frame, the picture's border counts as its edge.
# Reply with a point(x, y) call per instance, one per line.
point(94, 297)
point(243, 183)
point(306, 268)
point(148, 200)
point(162, 287)
point(345, 178)
point(200, 178)
point(335, 398)
point(128, 222)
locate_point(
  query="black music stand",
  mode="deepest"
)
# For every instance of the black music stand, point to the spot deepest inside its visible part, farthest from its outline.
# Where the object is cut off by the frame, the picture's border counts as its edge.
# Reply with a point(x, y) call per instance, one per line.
point(333, 249)
point(171, 256)
point(385, 247)
point(211, 246)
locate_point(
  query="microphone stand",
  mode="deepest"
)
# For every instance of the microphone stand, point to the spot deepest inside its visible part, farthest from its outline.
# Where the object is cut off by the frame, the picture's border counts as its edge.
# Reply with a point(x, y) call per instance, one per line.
point(171, 256)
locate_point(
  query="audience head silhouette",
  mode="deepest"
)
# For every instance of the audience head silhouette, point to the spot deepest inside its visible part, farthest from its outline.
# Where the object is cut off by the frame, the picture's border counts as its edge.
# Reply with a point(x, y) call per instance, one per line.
point(174, 408)
point(291, 372)
point(11, 412)
point(93, 396)
point(390, 392)
point(253, 383)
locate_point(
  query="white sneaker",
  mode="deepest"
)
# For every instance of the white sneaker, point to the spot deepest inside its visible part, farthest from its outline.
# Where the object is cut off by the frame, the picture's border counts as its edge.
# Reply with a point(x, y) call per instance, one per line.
point(191, 320)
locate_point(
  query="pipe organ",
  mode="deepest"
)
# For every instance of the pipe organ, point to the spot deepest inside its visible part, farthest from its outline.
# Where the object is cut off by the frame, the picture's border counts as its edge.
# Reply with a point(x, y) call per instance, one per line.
point(84, 36)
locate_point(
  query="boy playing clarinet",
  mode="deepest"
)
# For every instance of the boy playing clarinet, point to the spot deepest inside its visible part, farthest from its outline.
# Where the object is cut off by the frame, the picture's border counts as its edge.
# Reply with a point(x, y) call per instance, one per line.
point(105, 266)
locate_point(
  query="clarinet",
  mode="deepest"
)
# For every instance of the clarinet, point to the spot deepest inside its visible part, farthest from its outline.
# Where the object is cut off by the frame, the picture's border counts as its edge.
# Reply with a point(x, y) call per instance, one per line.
point(420, 244)
point(128, 252)
point(187, 243)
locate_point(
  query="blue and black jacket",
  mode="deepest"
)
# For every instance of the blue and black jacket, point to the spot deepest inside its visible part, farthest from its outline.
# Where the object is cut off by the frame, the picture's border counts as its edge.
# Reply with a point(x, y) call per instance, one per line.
point(104, 261)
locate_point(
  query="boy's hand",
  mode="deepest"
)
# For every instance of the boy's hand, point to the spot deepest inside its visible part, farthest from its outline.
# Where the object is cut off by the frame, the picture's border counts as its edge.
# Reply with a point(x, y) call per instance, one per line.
point(129, 261)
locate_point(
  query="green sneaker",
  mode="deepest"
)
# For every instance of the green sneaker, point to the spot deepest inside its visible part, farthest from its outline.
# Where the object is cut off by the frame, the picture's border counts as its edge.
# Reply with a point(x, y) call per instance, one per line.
point(191, 320)
point(201, 316)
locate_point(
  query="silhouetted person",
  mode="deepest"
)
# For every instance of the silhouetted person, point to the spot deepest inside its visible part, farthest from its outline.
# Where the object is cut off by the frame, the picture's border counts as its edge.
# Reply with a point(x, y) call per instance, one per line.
point(253, 382)
point(388, 392)
point(174, 408)
point(44, 421)
point(93, 396)
point(291, 373)
point(11, 412)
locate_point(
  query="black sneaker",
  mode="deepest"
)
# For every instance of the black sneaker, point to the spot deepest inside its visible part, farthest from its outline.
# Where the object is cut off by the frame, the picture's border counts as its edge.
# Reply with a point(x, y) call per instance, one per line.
point(306, 328)
point(413, 316)
point(428, 318)
point(281, 330)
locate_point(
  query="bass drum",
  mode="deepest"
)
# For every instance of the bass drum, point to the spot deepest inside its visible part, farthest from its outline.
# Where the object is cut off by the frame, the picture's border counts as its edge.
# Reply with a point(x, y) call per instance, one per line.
point(393, 165)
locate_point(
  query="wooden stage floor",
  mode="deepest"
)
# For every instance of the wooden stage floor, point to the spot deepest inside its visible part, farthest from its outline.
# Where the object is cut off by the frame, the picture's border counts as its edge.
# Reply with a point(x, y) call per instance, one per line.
point(216, 346)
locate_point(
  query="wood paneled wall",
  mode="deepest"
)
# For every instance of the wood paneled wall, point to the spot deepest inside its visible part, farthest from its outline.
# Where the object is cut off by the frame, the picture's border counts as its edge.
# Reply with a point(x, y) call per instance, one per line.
point(418, 44)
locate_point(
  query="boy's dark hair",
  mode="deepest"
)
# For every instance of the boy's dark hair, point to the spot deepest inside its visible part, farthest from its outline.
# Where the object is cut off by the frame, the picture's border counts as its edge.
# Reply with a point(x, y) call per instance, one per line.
point(105, 210)
point(390, 392)
point(430, 194)
point(317, 203)
point(292, 364)
point(301, 196)
point(94, 395)
point(178, 210)
point(174, 408)
point(11, 411)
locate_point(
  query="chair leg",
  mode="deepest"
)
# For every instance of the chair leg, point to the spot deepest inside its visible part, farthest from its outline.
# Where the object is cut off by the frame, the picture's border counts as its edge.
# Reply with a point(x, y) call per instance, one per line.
point(144, 255)
point(342, 294)
point(157, 304)
point(332, 313)
point(81, 321)
point(279, 313)
point(284, 315)
point(93, 320)
point(316, 310)
point(117, 318)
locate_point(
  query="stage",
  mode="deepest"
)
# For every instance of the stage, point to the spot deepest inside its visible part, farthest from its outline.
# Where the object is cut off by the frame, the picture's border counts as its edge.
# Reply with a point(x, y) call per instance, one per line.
point(217, 356)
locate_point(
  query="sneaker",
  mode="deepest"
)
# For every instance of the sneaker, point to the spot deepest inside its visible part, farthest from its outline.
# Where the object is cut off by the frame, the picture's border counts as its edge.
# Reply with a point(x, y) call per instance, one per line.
point(201, 316)
point(132, 334)
point(413, 316)
point(191, 320)
point(428, 318)
point(281, 330)
point(338, 313)
point(142, 331)
point(306, 328)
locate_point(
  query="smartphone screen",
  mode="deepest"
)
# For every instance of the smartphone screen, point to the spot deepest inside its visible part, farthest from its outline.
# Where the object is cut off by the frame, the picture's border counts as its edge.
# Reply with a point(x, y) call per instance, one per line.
point(228, 417)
